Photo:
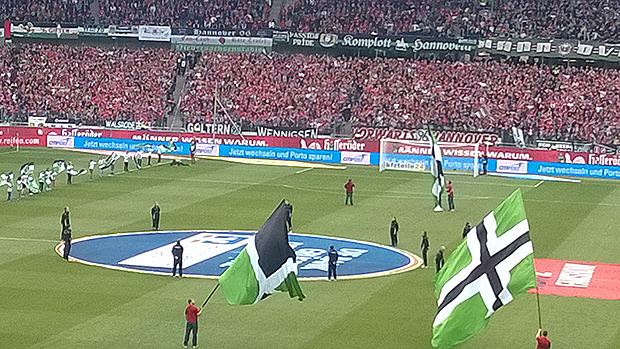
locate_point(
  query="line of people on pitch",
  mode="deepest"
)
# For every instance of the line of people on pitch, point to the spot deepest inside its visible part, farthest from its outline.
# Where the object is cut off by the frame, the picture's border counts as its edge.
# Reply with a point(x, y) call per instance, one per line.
point(137, 160)
point(109, 162)
point(27, 185)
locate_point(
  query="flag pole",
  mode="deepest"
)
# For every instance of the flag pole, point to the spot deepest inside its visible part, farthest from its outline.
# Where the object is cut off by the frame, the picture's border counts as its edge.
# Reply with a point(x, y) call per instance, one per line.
point(218, 285)
point(538, 300)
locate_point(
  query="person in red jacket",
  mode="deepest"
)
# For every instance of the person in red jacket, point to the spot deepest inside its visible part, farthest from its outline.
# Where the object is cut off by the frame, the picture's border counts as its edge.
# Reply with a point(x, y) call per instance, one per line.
point(191, 315)
point(543, 341)
point(450, 192)
point(348, 186)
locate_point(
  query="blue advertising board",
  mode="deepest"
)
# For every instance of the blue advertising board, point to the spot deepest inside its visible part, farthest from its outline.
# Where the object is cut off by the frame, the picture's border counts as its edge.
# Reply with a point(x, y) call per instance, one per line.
point(116, 144)
point(573, 170)
point(306, 155)
point(396, 161)
point(421, 162)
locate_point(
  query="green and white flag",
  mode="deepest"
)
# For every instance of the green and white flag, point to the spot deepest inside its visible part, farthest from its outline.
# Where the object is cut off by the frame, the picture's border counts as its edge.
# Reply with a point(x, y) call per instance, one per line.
point(32, 185)
point(59, 166)
point(436, 168)
point(48, 179)
point(167, 148)
point(266, 265)
point(27, 168)
point(6, 179)
point(73, 172)
point(492, 265)
point(109, 161)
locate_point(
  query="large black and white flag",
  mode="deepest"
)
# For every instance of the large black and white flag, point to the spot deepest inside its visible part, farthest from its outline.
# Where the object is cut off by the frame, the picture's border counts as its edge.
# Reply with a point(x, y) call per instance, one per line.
point(266, 265)
point(436, 170)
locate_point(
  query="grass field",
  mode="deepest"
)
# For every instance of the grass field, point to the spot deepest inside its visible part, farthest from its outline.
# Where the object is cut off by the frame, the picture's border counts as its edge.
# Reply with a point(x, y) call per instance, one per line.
point(48, 303)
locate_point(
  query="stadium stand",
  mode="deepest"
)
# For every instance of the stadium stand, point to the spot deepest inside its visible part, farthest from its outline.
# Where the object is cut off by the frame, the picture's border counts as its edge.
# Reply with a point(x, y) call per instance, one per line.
point(89, 84)
point(7, 78)
point(230, 14)
point(296, 90)
point(54, 11)
point(579, 19)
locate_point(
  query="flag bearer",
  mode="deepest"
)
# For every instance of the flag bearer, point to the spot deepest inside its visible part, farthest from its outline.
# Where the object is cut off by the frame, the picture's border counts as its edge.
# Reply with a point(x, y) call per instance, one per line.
point(191, 315)
point(126, 161)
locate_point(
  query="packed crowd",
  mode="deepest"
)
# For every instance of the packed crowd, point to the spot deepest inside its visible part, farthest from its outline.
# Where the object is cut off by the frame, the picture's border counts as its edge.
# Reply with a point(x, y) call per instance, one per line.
point(230, 14)
point(95, 84)
point(7, 104)
point(54, 11)
point(91, 83)
point(578, 19)
point(302, 90)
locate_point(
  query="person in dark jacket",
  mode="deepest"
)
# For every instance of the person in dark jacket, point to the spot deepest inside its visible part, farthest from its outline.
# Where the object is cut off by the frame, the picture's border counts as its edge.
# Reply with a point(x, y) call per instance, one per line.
point(155, 215)
point(64, 220)
point(177, 254)
point(439, 259)
point(466, 229)
point(424, 246)
point(394, 231)
point(289, 210)
point(192, 151)
point(332, 263)
point(66, 238)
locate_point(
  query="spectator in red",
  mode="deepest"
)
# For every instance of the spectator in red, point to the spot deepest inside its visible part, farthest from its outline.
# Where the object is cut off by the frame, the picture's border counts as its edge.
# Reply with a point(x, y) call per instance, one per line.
point(348, 187)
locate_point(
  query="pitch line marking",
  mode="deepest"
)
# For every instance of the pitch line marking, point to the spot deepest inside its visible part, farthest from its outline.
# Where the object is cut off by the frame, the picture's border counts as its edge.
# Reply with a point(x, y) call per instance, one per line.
point(414, 179)
point(26, 239)
point(304, 170)
point(10, 152)
point(538, 184)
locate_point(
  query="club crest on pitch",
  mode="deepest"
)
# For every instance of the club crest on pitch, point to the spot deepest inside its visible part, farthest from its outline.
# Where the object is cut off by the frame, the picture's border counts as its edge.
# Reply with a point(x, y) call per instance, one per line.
point(207, 253)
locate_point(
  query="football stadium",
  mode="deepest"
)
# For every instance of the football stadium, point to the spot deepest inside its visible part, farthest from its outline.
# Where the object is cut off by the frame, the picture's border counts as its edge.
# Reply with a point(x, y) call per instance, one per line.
point(308, 174)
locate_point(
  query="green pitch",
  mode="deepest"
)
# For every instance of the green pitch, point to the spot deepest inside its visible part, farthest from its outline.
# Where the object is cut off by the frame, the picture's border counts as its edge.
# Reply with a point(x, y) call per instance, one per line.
point(46, 302)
